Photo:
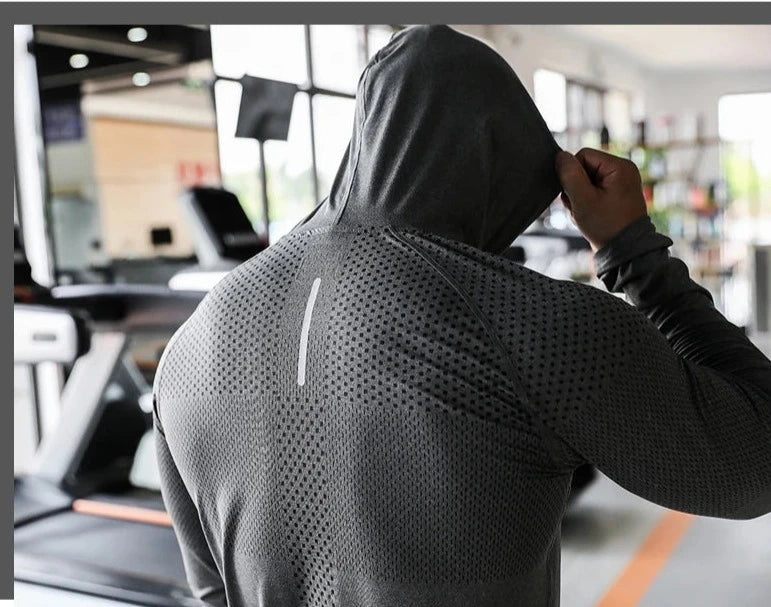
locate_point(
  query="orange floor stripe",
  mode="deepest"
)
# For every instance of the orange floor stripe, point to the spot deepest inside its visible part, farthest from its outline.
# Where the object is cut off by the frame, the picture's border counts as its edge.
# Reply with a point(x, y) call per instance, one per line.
point(134, 514)
point(630, 587)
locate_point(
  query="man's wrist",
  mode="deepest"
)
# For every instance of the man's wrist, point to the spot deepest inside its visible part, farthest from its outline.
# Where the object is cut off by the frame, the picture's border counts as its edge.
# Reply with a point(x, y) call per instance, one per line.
point(637, 239)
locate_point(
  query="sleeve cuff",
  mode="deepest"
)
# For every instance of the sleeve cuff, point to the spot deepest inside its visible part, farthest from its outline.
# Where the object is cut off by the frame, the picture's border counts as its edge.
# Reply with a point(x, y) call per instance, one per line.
point(638, 238)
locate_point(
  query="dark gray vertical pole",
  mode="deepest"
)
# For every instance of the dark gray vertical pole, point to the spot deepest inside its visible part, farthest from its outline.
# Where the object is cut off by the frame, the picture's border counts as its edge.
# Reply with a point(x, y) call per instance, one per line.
point(365, 44)
point(312, 86)
point(264, 184)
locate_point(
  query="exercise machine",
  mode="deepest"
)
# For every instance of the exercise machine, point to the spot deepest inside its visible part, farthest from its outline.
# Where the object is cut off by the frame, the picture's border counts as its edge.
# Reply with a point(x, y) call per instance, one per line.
point(81, 523)
point(223, 237)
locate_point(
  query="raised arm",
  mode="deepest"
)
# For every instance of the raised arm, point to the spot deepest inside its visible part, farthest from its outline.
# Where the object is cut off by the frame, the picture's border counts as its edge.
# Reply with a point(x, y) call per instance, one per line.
point(683, 417)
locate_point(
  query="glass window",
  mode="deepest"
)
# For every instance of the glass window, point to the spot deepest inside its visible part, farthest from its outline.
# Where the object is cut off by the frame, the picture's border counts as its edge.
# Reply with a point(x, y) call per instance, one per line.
point(378, 37)
point(290, 172)
point(744, 126)
point(575, 105)
point(333, 118)
point(239, 158)
point(269, 51)
point(339, 53)
point(338, 56)
point(618, 117)
point(550, 97)
point(745, 117)
point(288, 163)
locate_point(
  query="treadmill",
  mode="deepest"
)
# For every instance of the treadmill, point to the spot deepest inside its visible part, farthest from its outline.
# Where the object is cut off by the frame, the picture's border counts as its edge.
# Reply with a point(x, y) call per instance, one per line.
point(81, 526)
point(82, 522)
point(223, 237)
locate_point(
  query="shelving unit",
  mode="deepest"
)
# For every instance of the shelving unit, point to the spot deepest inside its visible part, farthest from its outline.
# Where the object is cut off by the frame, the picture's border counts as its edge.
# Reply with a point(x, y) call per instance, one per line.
point(688, 207)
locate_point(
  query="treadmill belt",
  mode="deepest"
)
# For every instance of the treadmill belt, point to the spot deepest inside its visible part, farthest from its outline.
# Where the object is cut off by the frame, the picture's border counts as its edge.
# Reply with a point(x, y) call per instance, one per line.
point(34, 499)
point(130, 561)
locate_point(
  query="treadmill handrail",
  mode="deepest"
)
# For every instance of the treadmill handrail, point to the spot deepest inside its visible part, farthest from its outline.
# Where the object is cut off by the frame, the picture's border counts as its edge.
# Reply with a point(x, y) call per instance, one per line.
point(131, 306)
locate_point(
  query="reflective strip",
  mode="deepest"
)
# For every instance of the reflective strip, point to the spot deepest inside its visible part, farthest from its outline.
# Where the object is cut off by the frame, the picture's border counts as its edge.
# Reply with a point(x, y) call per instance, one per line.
point(304, 334)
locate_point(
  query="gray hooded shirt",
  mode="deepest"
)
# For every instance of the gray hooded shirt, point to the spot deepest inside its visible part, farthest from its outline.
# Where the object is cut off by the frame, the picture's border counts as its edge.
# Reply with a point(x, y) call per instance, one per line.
point(379, 410)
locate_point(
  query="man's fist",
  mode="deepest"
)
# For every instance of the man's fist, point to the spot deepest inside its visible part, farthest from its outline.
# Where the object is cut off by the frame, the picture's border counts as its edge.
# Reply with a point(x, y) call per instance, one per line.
point(602, 192)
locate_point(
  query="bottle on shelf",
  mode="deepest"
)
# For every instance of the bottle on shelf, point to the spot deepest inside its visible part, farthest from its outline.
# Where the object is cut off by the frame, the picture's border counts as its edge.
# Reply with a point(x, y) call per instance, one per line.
point(604, 137)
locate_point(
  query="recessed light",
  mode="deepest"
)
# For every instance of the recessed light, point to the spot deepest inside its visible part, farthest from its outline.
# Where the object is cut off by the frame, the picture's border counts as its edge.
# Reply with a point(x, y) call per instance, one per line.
point(78, 61)
point(137, 34)
point(141, 79)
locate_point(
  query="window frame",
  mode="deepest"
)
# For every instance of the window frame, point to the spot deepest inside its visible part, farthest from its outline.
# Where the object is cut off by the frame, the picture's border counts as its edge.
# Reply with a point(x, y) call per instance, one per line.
point(311, 89)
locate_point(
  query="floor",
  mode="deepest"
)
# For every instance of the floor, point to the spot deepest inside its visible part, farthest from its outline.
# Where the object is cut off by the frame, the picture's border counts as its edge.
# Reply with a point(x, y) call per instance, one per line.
point(620, 551)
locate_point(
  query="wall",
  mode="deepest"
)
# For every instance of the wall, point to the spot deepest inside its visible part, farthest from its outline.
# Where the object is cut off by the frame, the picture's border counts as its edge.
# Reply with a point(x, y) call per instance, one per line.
point(139, 168)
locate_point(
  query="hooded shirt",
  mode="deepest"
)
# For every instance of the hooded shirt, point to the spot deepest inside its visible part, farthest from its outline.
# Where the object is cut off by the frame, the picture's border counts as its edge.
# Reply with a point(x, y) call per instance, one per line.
point(381, 410)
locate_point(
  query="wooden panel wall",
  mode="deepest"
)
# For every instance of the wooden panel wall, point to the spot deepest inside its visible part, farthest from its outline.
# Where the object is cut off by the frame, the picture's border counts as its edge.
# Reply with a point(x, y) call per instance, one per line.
point(140, 169)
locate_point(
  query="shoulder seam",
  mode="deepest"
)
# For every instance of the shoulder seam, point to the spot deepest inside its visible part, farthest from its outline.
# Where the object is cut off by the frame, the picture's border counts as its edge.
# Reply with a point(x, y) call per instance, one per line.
point(549, 435)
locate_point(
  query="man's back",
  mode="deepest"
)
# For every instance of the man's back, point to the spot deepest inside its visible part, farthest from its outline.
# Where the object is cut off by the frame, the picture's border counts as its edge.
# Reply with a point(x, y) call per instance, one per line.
point(354, 428)
point(380, 410)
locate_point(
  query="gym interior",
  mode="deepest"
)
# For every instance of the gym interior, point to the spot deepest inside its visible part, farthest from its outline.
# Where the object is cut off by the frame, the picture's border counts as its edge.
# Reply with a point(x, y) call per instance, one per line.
point(152, 160)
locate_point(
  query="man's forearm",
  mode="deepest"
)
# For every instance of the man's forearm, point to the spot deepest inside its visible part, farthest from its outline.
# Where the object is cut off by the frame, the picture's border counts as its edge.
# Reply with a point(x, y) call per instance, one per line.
point(637, 263)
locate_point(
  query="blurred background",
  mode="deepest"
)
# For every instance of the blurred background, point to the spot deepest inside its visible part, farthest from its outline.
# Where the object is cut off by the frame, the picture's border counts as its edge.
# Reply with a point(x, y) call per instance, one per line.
point(150, 160)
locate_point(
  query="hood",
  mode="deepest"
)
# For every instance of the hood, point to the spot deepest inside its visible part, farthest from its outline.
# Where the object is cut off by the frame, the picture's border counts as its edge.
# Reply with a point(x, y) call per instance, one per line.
point(446, 140)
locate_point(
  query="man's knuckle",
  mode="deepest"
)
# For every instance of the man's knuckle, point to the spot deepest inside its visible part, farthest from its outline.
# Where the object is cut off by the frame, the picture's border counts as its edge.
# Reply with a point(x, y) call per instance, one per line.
point(629, 167)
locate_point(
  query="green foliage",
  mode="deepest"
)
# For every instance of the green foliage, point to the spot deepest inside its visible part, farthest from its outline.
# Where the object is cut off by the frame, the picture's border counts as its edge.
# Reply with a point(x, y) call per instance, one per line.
point(661, 219)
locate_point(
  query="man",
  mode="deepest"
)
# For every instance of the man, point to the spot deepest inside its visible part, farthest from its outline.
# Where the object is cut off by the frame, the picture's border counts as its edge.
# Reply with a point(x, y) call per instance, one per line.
point(381, 410)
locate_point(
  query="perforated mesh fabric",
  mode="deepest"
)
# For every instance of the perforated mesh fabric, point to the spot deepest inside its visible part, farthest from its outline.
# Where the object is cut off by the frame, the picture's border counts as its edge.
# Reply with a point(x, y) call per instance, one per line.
point(426, 460)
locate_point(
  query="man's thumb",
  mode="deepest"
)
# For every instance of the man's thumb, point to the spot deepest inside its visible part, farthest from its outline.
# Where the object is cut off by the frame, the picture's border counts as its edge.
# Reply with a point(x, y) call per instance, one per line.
point(575, 182)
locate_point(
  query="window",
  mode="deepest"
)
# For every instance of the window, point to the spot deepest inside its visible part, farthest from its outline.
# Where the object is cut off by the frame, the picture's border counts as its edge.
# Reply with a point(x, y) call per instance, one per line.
point(325, 61)
point(550, 90)
point(578, 113)
point(333, 121)
point(745, 155)
point(745, 129)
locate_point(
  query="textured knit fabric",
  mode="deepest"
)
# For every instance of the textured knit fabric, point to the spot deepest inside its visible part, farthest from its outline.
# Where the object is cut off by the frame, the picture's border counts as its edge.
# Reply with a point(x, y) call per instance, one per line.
point(381, 411)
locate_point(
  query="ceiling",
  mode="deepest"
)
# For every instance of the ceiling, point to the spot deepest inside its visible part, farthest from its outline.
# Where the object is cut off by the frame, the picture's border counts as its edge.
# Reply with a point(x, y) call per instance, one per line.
point(111, 53)
point(684, 47)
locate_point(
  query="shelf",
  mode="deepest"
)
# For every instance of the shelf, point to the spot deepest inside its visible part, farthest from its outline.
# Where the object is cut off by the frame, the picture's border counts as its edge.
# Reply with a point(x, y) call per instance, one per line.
point(684, 144)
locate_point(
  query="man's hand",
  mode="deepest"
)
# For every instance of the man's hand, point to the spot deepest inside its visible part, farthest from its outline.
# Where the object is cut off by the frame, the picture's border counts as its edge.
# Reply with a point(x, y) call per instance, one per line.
point(602, 192)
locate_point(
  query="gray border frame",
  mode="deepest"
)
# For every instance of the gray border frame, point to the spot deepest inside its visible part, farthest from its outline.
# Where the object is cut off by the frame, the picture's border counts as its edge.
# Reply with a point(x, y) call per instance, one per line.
point(694, 13)
point(49, 13)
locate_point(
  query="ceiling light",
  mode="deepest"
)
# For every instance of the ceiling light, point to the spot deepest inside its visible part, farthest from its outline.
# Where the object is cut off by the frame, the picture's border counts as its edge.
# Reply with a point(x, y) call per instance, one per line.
point(78, 61)
point(141, 79)
point(137, 34)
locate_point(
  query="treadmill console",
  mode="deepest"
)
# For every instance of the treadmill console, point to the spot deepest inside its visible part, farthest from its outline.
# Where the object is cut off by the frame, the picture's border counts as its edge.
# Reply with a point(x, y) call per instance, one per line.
point(221, 229)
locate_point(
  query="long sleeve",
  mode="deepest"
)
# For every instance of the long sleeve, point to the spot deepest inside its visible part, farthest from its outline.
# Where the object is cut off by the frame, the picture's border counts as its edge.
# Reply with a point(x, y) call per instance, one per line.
point(682, 415)
point(637, 263)
point(202, 573)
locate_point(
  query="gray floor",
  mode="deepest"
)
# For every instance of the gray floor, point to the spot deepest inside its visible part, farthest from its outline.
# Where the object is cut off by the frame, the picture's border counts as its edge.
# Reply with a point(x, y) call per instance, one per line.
point(717, 563)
